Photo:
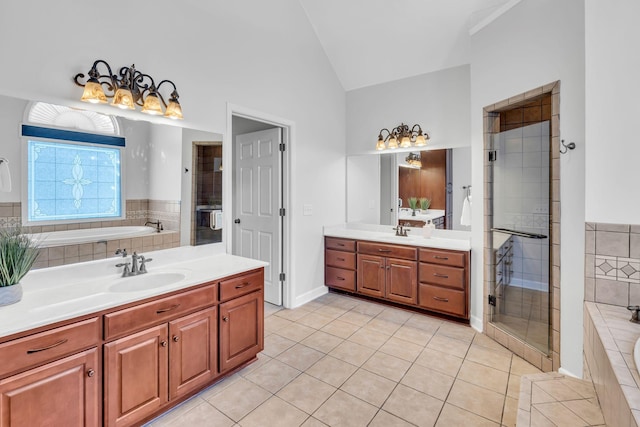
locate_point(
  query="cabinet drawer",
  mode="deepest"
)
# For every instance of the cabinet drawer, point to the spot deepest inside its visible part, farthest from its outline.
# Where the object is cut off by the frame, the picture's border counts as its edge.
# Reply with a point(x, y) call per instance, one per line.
point(444, 300)
point(452, 277)
point(340, 278)
point(151, 313)
point(339, 244)
point(241, 285)
point(340, 259)
point(20, 354)
point(390, 251)
point(435, 256)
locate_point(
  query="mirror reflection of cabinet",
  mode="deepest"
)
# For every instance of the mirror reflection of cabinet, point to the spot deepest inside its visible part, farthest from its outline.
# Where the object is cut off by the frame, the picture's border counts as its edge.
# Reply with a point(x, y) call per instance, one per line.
point(431, 180)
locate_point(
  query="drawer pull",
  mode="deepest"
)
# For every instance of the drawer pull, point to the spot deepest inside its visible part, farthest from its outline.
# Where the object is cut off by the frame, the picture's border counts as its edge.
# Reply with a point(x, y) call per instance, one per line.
point(225, 319)
point(91, 373)
point(340, 259)
point(441, 299)
point(176, 338)
point(164, 343)
point(446, 258)
point(384, 250)
point(444, 276)
point(164, 310)
point(340, 244)
point(340, 278)
point(55, 344)
point(243, 285)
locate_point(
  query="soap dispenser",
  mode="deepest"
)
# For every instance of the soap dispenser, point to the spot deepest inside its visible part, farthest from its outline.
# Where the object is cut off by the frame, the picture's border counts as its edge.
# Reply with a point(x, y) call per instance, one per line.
point(428, 228)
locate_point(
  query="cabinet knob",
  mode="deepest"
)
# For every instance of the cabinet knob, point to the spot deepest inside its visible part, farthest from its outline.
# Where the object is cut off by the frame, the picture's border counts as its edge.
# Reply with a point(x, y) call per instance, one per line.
point(164, 343)
point(176, 338)
point(91, 373)
point(225, 319)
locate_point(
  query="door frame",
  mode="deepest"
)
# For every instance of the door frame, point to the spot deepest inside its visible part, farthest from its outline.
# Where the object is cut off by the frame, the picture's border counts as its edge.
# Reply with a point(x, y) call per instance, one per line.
point(288, 137)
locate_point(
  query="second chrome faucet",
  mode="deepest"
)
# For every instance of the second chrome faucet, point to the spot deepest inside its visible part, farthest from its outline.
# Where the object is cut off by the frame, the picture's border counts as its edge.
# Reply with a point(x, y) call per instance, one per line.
point(136, 268)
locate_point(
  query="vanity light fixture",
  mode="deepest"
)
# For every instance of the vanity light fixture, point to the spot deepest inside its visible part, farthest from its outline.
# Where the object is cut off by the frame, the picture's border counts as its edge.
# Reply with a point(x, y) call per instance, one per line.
point(413, 160)
point(129, 88)
point(403, 137)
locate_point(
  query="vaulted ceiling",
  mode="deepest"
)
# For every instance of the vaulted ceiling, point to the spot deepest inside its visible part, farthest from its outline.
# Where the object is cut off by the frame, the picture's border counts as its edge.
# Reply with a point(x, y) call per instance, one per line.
point(375, 41)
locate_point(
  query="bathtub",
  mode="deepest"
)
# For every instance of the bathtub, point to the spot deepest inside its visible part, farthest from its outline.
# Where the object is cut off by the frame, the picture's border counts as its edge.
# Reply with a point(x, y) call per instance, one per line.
point(89, 235)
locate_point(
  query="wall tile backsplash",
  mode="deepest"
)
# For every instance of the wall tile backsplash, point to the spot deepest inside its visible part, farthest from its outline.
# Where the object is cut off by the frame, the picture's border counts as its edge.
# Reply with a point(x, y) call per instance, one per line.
point(612, 263)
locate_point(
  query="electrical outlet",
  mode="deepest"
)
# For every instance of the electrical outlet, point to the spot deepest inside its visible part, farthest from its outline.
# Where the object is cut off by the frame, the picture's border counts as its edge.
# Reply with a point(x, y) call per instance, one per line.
point(307, 210)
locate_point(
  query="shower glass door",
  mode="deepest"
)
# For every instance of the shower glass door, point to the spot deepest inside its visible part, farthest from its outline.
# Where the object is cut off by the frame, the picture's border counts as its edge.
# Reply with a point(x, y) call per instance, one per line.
point(521, 230)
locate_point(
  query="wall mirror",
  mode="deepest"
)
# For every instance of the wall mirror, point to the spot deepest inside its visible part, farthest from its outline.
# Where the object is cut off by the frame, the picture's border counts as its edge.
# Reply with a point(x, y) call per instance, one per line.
point(169, 172)
point(379, 187)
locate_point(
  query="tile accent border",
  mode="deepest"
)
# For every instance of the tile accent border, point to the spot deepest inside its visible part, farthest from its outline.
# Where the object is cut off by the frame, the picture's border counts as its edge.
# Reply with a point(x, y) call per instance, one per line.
point(612, 263)
point(491, 124)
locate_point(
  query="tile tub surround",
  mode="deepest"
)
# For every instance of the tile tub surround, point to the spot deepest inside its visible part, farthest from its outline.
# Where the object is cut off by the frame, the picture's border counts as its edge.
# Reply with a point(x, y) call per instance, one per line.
point(612, 263)
point(139, 211)
point(341, 361)
point(609, 338)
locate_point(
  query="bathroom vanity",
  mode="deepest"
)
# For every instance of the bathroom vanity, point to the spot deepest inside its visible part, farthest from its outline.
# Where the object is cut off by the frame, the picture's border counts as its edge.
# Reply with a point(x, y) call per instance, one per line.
point(119, 351)
point(428, 274)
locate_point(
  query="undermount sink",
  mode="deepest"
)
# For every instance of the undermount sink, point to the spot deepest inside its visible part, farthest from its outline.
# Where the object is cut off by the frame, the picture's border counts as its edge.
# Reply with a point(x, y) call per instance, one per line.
point(146, 281)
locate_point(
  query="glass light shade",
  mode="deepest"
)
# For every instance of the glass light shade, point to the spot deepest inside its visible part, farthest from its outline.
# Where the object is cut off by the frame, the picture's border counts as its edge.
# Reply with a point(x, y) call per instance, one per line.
point(152, 105)
point(393, 143)
point(380, 145)
point(93, 93)
point(174, 111)
point(123, 99)
point(420, 140)
point(405, 142)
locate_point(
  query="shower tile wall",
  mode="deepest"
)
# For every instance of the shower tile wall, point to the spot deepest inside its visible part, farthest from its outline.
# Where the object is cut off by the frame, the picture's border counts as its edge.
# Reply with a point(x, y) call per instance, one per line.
point(612, 263)
point(521, 199)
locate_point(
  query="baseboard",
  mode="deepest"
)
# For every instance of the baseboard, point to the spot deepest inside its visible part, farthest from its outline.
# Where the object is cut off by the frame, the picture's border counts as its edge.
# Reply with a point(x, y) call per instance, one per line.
point(476, 323)
point(567, 373)
point(309, 296)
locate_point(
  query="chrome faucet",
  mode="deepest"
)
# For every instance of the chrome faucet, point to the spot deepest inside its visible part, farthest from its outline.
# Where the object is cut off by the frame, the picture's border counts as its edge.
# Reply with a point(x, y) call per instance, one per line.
point(122, 252)
point(135, 269)
point(157, 223)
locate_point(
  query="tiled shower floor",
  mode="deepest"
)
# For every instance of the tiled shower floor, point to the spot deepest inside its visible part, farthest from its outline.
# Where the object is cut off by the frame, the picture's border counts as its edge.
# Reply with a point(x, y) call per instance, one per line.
point(341, 361)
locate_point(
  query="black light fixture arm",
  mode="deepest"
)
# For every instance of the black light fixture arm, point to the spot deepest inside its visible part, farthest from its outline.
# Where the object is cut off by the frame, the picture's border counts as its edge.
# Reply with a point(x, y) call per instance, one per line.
point(173, 96)
point(94, 75)
point(386, 138)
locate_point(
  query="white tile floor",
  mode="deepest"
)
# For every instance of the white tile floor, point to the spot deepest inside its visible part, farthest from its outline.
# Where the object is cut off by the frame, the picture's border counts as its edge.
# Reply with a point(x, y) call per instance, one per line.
point(342, 361)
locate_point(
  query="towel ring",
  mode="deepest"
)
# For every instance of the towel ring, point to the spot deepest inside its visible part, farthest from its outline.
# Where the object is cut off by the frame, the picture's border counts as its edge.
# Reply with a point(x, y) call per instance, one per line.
point(567, 147)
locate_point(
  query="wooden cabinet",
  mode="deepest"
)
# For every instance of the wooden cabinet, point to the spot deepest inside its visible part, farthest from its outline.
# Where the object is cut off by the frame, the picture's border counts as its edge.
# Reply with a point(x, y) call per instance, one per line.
point(241, 326)
point(340, 263)
point(65, 392)
point(431, 279)
point(444, 281)
point(136, 378)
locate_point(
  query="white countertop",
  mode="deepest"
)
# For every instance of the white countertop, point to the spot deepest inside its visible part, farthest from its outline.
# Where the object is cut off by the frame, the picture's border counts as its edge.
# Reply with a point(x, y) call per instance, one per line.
point(61, 293)
point(441, 239)
point(430, 214)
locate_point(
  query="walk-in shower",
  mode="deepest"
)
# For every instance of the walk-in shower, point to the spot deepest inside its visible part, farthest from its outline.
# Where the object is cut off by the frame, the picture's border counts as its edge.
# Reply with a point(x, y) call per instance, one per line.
point(519, 160)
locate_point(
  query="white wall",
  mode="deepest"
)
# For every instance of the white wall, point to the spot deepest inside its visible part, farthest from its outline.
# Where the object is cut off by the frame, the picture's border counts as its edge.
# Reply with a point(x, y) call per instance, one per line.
point(612, 111)
point(461, 165)
point(165, 160)
point(363, 189)
point(136, 158)
point(11, 114)
point(535, 43)
point(255, 54)
point(437, 101)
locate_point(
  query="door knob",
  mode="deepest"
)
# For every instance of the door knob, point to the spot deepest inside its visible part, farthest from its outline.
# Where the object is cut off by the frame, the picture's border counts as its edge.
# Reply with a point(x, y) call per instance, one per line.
point(237, 220)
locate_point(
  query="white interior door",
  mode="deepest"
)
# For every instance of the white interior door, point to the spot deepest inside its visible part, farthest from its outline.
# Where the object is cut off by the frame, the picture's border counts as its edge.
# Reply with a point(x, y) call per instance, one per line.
point(257, 223)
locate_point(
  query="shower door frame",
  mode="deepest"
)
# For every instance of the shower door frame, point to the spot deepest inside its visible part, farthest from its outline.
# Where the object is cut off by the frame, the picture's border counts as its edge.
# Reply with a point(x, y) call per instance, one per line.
point(491, 123)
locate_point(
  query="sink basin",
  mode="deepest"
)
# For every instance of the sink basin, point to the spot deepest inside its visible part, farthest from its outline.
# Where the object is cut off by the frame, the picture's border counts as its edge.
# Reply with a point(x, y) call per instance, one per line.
point(146, 281)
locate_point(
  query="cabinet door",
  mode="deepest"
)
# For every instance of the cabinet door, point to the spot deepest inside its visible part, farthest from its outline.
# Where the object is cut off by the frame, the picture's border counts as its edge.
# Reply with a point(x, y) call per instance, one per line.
point(193, 351)
point(136, 376)
point(402, 281)
point(371, 274)
point(61, 393)
point(241, 330)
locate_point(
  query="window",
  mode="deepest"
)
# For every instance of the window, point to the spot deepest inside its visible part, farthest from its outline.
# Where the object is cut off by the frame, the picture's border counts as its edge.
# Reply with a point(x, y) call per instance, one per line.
point(72, 181)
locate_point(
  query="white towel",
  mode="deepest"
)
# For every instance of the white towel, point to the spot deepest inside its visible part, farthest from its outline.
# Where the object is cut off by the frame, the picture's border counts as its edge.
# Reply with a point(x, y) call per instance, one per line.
point(465, 218)
point(5, 176)
point(215, 220)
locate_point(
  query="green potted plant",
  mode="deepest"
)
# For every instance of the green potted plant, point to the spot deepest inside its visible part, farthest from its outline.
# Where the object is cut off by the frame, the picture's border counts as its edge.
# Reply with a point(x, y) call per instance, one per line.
point(425, 203)
point(17, 255)
point(413, 204)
